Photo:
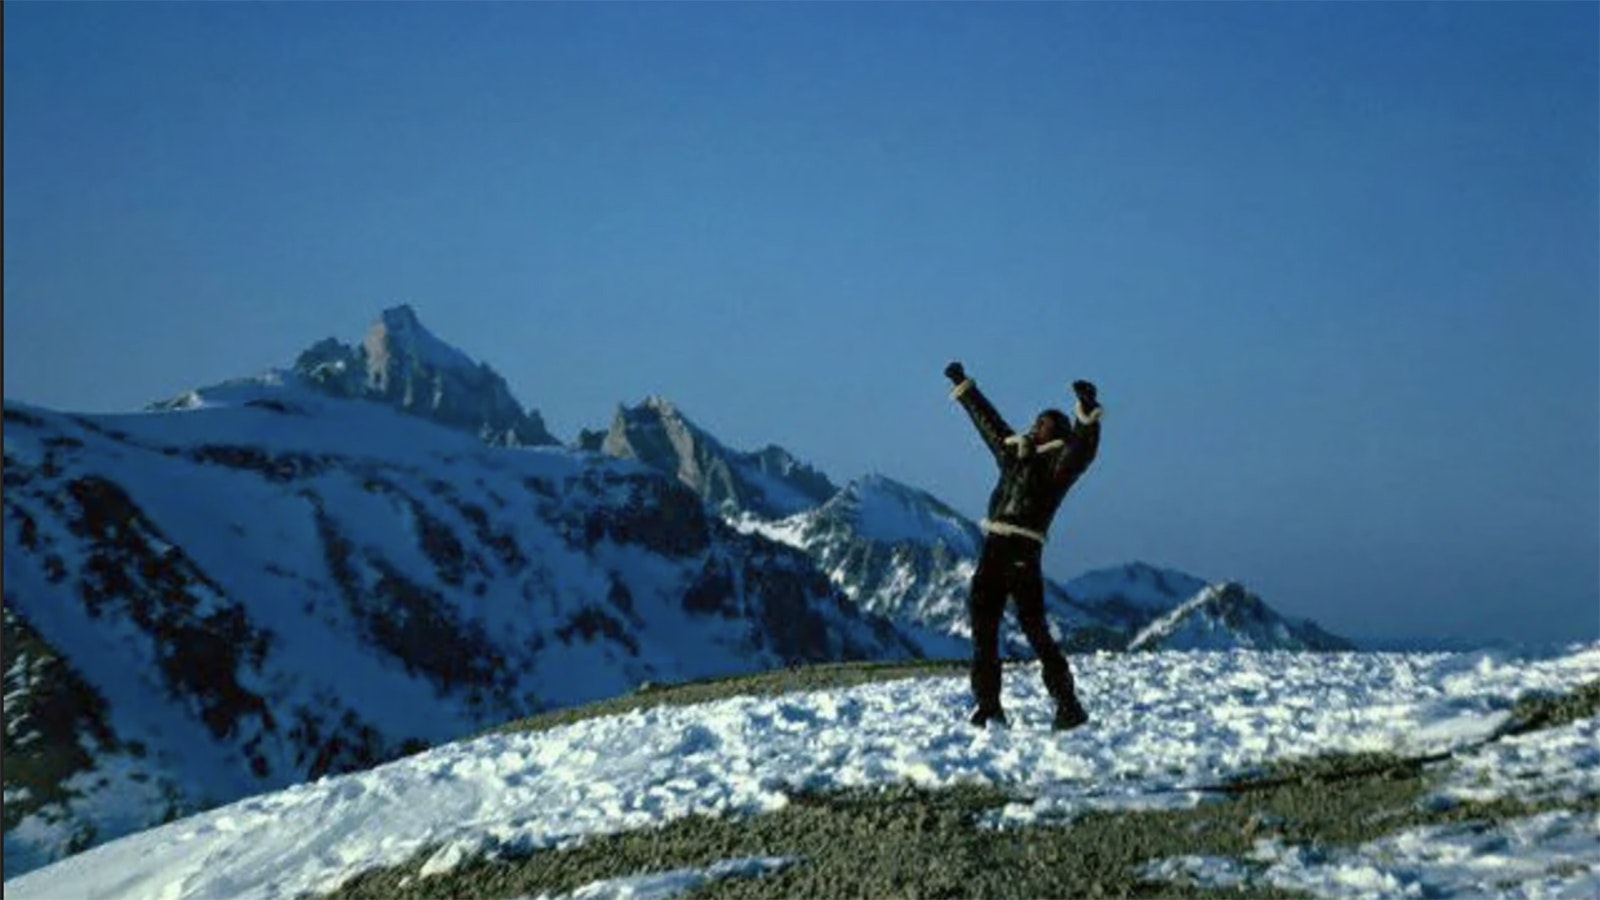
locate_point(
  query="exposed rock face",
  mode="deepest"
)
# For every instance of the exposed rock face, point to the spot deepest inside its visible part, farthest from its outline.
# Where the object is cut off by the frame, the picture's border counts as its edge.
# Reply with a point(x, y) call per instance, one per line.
point(769, 482)
point(399, 364)
point(402, 364)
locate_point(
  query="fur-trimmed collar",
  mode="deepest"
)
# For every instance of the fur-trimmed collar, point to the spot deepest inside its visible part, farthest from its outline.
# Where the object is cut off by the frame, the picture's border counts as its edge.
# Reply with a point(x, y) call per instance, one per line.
point(1021, 440)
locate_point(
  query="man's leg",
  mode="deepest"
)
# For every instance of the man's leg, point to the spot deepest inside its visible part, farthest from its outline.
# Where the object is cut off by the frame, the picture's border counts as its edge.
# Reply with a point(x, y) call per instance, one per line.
point(1029, 591)
point(985, 606)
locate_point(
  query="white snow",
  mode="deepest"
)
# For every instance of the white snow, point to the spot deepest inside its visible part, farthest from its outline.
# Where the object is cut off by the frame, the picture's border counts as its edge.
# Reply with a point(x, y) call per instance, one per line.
point(1163, 724)
point(1201, 623)
point(885, 510)
point(878, 509)
point(1554, 854)
point(790, 531)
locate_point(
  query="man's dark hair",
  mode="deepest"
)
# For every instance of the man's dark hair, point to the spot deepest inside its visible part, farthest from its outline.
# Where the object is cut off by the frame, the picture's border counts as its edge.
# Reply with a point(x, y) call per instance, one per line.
point(1059, 418)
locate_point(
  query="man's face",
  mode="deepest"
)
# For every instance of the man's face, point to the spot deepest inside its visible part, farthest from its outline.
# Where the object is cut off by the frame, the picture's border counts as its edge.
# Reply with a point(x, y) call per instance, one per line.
point(1044, 430)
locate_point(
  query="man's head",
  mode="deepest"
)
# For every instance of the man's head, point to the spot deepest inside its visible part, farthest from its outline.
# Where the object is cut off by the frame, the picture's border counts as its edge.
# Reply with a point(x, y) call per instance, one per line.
point(1050, 425)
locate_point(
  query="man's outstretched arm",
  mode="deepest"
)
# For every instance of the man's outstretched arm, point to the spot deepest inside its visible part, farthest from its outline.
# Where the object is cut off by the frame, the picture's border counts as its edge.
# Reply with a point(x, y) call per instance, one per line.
point(991, 427)
point(1084, 442)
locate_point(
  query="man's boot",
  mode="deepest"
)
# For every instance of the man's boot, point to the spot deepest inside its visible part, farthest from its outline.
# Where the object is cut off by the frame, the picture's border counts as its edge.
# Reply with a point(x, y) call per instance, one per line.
point(1069, 714)
point(1058, 680)
point(986, 714)
point(986, 690)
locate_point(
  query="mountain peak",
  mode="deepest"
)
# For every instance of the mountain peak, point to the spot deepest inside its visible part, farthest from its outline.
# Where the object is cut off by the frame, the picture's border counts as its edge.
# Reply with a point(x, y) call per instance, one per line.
point(399, 363)
point(1224, 615)
point(770, 483)
point(661, 406)
point(402, 316)
point(876, 481)
point(403, 364)
point(878, 508)
point(398, 341)
point(1137, 588)
point(878, 484)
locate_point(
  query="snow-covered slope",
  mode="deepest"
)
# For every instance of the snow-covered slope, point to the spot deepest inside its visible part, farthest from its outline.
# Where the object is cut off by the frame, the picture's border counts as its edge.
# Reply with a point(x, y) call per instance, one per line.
point(904, 554)
point(1221, 715)
point(880, 509)
point(1225, 615)
point(402, 364)
point(279, 584)
point(895, 551)
point(1135, 591)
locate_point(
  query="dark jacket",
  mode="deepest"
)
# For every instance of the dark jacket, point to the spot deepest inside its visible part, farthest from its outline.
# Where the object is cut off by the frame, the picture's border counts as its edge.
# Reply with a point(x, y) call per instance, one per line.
point(1032, 479)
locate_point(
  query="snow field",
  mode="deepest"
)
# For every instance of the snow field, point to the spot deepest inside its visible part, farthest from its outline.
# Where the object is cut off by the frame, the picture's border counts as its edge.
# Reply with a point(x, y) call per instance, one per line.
point(1162, 723)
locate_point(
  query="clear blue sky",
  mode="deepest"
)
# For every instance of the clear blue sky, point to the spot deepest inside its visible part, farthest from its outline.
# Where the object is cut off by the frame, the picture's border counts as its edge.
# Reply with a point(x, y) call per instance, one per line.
point(1334, 265)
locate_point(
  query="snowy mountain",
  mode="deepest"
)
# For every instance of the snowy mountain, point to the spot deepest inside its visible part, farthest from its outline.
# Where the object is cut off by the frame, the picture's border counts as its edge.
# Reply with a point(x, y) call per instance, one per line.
point(895, 551)
point(277, 584)
point(1136, 590)
point(402, 364)
point(1225, 615)
point(1263, 774)
point(770, 482)
point(327, 566)
point(903, 554)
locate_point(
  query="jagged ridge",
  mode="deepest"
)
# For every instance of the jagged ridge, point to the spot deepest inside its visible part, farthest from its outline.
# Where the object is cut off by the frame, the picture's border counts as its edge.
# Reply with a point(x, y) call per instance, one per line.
point(769, 482)
point(1225, 616)
point(399, 363)
point(900, 552)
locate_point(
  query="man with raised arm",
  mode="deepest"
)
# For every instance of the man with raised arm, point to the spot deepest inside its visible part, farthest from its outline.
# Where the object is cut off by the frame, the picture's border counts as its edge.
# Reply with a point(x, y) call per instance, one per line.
point(1036, 470)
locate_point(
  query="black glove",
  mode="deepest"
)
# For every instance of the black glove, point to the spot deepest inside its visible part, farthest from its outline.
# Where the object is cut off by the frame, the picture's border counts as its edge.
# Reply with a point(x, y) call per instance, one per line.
point(955, 373)
point(1087, 394)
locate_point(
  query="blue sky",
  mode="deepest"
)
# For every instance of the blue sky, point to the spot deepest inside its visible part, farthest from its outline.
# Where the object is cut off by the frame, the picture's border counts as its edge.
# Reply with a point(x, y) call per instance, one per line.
point(1334, 266)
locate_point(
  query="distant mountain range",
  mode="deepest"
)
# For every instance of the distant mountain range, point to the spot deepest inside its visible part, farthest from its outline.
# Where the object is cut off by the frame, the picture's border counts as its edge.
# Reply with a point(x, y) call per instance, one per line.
point(903, 554)
point(323, 567)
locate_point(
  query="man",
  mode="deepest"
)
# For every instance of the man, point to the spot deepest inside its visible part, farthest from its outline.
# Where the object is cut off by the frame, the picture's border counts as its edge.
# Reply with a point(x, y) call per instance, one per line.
point(1036, 470)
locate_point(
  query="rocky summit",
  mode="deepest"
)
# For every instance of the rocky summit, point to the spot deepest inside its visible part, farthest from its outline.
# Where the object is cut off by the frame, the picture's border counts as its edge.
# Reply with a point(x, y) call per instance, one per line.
point(399, 363)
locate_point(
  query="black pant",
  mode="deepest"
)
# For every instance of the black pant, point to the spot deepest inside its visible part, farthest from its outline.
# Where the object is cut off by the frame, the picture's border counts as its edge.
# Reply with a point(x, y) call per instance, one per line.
point(1009, 567)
